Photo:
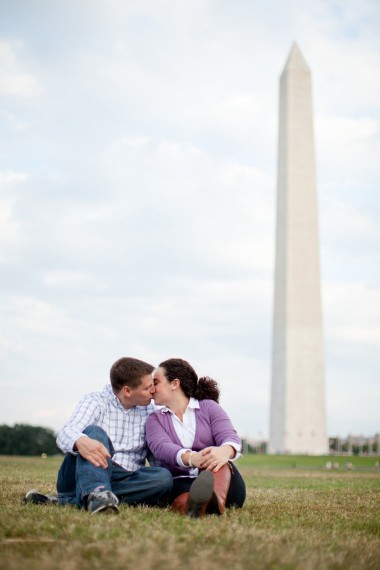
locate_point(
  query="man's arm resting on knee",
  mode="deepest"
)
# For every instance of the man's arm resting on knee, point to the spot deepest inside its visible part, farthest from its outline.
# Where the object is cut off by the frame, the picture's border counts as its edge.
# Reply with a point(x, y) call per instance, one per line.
point(92, 450)
point(88, 412)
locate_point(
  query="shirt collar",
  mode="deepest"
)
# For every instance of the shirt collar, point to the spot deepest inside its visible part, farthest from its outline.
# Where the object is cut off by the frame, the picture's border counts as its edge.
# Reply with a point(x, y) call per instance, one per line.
point(193, 404)
point(112, 396)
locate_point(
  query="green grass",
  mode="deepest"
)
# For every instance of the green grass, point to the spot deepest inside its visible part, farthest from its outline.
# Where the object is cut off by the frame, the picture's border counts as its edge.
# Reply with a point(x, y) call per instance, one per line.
point(297, 516)
point(309, 461)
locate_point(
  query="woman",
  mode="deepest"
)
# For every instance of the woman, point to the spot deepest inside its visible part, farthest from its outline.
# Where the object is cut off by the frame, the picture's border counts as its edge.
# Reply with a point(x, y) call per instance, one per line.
point(193, 437)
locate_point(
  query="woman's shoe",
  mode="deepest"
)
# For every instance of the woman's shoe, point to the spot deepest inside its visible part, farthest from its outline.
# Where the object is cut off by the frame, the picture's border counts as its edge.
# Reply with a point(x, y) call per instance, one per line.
point(200, 494)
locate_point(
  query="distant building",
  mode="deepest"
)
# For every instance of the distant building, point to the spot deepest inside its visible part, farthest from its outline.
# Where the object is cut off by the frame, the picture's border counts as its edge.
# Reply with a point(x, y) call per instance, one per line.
point(348, 445)
point(355, 445)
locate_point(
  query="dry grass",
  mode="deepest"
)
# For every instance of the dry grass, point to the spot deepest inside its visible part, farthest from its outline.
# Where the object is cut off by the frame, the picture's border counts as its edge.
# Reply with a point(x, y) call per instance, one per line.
point(293, 519)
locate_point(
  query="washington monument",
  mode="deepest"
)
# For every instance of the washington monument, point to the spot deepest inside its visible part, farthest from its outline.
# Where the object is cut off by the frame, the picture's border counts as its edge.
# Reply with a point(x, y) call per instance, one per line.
point(298, 416)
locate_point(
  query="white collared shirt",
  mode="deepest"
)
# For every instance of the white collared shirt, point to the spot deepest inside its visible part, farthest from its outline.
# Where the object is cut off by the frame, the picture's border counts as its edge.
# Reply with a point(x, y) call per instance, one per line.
point(185, 430)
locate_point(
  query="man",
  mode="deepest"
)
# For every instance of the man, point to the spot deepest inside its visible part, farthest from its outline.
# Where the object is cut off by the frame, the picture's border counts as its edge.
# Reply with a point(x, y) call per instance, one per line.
point(106, 448)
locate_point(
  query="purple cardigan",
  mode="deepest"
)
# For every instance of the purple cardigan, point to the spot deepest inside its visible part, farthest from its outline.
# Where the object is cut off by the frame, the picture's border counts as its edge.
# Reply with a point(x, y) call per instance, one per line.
point(213, 427)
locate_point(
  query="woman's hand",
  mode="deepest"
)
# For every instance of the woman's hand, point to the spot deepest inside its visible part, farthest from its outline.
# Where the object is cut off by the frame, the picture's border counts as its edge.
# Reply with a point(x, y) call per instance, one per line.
point(213, 458)
point(196, 458)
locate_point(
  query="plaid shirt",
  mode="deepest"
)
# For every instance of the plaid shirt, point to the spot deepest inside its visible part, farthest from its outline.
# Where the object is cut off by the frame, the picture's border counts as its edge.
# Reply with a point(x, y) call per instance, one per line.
point(125, 428)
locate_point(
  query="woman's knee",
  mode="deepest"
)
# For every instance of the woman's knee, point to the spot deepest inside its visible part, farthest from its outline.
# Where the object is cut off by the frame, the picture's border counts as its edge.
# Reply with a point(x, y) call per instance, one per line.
point(237, 491)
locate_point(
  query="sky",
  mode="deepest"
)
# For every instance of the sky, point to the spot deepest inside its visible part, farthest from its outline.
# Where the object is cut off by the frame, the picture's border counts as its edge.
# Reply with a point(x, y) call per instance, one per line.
point(138, 157)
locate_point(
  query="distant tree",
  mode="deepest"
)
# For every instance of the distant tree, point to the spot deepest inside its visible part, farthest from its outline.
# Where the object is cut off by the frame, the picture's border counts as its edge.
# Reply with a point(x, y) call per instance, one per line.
point(5, 439)
point(24, 439)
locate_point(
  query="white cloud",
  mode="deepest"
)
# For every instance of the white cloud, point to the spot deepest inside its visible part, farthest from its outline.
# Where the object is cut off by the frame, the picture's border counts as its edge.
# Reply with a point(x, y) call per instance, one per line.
point(41, 318)
point(9, 178)
point(344, 387)
point(348, 149)
point(352, 313)
point(227, 206)
point(65, 278)
point(11, 232)
point(14, 81)
point(351, 227)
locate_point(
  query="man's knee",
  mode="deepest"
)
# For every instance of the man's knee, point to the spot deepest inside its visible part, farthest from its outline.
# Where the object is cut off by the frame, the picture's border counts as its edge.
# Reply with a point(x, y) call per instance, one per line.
point(168, 478)
point(98, 433)
point(164, 478)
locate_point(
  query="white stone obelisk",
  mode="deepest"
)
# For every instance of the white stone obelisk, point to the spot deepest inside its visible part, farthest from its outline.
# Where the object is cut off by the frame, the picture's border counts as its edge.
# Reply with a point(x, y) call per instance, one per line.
point(298, 416)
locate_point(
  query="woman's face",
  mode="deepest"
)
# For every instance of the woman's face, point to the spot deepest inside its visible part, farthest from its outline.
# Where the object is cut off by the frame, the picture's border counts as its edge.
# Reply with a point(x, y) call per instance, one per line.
point(163, 390)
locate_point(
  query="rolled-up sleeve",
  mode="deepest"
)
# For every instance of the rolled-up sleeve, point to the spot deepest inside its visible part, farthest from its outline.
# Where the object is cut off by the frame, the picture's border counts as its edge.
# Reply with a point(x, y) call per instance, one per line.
point(222, 428)
point(87, 412)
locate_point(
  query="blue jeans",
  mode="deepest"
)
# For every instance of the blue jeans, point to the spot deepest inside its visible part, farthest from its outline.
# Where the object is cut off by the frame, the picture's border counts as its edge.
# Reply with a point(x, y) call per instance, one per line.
point(77, 477)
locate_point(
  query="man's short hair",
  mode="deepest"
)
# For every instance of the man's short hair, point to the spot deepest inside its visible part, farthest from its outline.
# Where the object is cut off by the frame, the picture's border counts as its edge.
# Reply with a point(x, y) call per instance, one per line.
point(128, 372)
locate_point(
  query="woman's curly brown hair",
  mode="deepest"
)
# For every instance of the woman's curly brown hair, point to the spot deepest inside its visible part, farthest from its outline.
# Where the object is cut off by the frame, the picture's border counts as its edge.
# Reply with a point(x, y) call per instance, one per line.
point(203, 389)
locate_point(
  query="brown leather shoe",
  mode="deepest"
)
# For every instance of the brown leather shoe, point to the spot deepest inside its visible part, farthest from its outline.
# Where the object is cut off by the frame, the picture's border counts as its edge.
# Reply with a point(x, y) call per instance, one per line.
point(181, 503)
point(222, 481)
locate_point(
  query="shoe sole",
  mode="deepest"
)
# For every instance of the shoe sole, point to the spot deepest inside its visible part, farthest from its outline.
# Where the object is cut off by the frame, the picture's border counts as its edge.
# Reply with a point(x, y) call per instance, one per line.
point(200, 493)
point(107, 509)
point(36, 498)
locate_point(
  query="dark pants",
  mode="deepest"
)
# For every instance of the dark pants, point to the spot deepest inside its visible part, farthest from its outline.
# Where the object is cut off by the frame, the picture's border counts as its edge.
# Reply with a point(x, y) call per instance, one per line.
point(77, 477)
point(236, 493)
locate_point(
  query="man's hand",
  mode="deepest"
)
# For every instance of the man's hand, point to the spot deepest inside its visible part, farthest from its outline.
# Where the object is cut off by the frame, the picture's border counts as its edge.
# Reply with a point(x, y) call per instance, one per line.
point(92, 450)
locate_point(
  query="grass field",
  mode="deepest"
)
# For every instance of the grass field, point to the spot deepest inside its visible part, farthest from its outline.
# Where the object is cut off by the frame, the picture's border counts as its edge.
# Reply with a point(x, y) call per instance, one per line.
point(297, 515)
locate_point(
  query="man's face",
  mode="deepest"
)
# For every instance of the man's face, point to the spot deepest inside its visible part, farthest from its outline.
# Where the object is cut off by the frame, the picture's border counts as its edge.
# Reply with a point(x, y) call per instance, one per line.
point(142, 395)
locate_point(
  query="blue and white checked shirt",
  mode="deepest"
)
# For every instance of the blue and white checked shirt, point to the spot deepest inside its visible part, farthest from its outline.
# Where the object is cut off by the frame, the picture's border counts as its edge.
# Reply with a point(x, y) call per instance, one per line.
point(125, 428)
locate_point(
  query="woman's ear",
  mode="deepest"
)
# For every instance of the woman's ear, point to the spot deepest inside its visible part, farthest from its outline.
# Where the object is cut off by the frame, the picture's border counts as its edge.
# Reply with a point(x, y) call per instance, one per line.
point(175, 384)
